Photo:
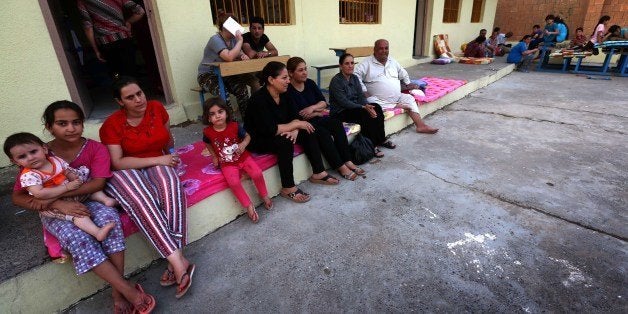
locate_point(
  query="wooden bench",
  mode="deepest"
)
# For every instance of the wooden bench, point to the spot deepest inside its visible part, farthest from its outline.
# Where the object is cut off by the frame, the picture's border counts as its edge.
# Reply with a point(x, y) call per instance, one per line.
point(354, 51)
point(222, 69)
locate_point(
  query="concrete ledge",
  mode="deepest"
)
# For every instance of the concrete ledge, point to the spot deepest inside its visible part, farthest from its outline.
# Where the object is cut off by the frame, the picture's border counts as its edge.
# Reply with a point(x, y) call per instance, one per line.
point(52, 287)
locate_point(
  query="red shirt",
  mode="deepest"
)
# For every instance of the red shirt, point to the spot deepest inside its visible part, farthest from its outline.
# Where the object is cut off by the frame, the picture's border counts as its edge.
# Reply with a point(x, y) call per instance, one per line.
point(148, 139)
point(225, 143)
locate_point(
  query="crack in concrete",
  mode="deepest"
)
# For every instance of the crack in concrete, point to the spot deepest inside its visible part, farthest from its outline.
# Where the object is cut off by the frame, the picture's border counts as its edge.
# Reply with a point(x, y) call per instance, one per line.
point(559, 108)
point(520, 204)
point(529, 118)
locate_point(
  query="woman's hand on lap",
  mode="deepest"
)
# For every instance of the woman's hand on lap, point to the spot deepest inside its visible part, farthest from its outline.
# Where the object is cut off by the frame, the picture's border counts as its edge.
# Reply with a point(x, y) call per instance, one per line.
point(304, 125)
point(292, 135)
point(71, 208)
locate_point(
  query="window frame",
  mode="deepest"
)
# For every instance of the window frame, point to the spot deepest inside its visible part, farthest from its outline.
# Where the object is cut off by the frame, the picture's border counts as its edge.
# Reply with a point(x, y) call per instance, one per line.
point(359, 11)
point(477, 14)
point(451, 11)
point(243, 10)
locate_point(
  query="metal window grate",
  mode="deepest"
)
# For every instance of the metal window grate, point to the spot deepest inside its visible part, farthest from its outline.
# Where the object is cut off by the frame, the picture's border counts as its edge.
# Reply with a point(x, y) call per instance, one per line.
point(274, 12)
point(450, 11)
point(359, 11)
point(476, 11)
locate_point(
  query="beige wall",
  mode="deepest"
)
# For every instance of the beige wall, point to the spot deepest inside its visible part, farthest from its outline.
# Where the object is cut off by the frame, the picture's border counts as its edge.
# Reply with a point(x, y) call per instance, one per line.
point(30, 73)
point(464, 31)
point(32, 78)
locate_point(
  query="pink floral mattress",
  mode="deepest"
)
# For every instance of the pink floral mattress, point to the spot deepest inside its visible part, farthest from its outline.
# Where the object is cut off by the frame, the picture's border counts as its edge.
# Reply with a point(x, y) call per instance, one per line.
point(437, 88)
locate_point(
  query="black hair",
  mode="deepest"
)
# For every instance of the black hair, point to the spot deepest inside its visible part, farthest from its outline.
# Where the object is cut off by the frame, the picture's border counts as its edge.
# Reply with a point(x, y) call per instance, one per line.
point(536, 26)
point(20, 138)
point(603, 18)
point(293, 62)
point(48, 118)
point(613, 29)
point(525, 37)
point(480, 39)
point(579, 29)
point(272, 69)
point(215, 101)
point(496, 29)
point(258, 20)
point(343, 57)
point(550, 17)
point(120, 83)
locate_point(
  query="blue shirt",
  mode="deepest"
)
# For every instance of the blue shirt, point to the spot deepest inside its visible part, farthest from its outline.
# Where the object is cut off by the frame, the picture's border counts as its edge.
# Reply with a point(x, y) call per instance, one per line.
point(562, 32)
point(516, 53)
point(551, 37)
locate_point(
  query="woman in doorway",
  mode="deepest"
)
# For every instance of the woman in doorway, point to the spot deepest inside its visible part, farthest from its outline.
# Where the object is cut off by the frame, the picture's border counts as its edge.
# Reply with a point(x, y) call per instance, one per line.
point(64, 121)
point(145, 181)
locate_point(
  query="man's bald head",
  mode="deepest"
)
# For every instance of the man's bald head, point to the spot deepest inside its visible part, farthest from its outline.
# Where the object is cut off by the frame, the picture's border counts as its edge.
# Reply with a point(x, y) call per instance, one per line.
point(380, 50)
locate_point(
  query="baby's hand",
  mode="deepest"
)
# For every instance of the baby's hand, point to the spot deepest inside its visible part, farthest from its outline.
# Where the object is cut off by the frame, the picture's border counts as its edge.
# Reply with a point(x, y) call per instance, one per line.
point(74, 184)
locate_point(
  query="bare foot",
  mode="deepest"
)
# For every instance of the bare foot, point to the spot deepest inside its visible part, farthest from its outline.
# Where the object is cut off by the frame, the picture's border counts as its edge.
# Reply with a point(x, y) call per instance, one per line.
point(104, 231)
point(110, 202)
point(252, 213)
point(426, 130)
point(120, 304)
point(268, 203)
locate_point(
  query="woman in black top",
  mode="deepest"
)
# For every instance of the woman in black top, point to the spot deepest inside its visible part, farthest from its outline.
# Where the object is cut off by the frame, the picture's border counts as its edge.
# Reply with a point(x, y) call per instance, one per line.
point(311, 106)
point(274, 126)
point(348, 104)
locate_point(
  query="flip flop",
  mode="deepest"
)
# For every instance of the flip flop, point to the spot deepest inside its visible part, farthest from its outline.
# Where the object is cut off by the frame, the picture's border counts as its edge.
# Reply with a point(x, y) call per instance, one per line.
point(351, 176)
point(170, 278)
point(190, 273)
point(389, 144)
point(324, 180)
point(145, 307)
point(359, 171)
point(292, 196)
point(378, 153)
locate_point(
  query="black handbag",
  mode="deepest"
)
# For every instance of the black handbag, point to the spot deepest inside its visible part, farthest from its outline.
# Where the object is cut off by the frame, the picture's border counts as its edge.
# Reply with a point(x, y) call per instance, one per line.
point(362, 149)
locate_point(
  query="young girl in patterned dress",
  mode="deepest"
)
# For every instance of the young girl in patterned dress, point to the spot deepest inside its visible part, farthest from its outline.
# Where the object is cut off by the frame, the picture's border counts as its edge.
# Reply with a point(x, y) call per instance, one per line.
point(227, 141)
point(49, 177)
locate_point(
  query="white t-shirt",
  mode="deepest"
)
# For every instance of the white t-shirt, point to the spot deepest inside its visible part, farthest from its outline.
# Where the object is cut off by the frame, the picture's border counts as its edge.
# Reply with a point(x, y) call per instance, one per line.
point(598, 29)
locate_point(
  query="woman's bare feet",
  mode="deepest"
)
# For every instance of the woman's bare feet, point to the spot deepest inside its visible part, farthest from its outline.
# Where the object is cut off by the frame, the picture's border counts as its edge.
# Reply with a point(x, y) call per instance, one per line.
point(252, 213)
point(104, 231)
point(268, 203)
point(426, 129)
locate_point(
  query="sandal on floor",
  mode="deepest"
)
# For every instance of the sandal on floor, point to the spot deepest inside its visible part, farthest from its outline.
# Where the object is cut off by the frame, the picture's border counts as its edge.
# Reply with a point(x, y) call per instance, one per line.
point(190, 273)
point(351, 176)
point(359, 171)
point(325, 180)
point(148, 302)
point(389, 144)
point(167, 278)
point(378, 153)
point(293, 196)
point(128, 309)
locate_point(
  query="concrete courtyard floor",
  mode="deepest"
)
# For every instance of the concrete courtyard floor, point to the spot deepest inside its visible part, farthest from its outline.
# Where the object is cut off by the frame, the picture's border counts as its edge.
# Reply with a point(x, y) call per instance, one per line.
point(518, 204)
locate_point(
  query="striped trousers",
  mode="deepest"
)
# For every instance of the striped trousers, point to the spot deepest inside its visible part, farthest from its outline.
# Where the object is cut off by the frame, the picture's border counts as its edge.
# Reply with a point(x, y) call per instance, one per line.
point(154, 199)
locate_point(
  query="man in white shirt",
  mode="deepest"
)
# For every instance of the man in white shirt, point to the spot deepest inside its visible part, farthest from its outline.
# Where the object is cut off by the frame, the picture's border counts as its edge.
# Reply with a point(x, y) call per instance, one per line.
point(380, 76)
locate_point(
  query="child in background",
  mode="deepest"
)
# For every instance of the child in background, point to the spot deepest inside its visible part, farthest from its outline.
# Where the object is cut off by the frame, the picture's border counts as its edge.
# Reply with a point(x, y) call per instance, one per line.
point(537, 36)
point(551, 31)
point(580, 40)
point(227, 141)
point(614, 33)
point(48, 177)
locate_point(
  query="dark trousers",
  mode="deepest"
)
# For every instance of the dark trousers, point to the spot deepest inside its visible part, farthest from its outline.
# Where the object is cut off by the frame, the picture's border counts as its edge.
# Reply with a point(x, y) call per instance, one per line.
point(284, 149)
point(372, 128)
point(120, 56)
point(332, 141)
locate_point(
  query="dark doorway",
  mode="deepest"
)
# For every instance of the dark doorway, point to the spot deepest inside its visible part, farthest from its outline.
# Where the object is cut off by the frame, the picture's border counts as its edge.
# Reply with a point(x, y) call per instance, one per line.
point(89, 79)
point(420, 28)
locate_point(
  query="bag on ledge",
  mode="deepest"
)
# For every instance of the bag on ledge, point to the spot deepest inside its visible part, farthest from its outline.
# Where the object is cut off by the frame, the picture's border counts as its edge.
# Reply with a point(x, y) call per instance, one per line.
point(362, 149)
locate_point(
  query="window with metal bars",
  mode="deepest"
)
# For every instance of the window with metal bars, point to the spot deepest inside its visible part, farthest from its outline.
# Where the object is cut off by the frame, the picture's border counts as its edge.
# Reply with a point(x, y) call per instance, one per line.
point(450, 11)
point(274, 12)
point(359, 11)
point(476, 11)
